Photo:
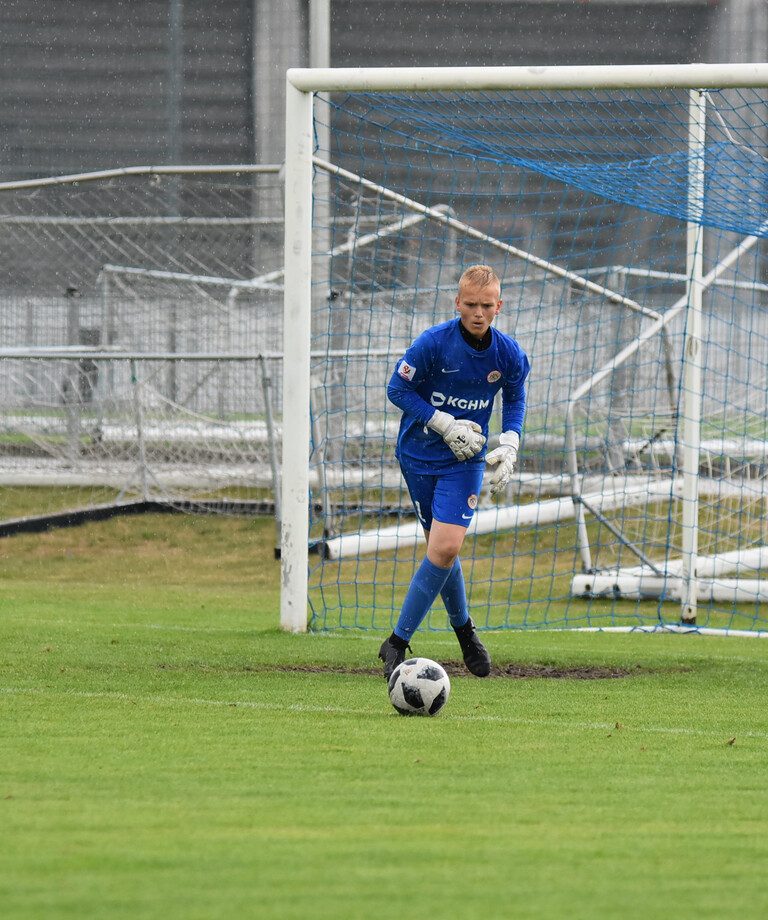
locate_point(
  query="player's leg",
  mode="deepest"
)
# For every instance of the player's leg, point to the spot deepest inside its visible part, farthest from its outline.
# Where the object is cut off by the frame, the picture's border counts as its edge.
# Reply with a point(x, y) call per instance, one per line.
point(445, 506)
point(425, 585)
point(454, 595)
point(440, 547)
point(430, 576)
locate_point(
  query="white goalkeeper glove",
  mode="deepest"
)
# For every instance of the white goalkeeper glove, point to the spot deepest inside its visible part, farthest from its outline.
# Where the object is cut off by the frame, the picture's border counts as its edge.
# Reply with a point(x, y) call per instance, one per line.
point(506, 456)
point(464, 437)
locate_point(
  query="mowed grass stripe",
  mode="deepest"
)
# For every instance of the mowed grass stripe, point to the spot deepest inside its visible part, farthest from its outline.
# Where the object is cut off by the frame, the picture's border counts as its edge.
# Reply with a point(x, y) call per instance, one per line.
point(155, 699)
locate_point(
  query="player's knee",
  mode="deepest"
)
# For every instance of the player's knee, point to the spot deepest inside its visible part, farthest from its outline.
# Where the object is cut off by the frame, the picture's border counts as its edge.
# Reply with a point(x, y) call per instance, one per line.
point(442, 555)
point(444, 543)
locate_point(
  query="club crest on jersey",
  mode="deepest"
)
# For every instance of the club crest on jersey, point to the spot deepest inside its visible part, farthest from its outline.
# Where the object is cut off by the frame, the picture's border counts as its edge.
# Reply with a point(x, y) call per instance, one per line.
point(472, 502)
point(493, 376)
point(406, 370)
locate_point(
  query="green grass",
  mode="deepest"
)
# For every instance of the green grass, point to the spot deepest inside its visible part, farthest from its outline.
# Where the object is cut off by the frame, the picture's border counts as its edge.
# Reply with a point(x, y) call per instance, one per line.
point(167, 752)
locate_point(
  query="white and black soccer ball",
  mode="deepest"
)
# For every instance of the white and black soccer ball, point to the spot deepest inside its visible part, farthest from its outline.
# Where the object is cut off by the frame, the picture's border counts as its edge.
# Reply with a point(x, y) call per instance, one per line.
point(419, 687)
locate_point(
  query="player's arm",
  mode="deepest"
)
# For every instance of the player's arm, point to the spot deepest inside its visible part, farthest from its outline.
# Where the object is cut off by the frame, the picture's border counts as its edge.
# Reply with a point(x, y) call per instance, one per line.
point(504, 457)
point(402, 391)
point(464, 437)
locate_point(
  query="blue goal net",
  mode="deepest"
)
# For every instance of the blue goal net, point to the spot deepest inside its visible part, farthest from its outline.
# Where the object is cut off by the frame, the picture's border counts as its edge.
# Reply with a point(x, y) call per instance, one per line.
point(628, 228)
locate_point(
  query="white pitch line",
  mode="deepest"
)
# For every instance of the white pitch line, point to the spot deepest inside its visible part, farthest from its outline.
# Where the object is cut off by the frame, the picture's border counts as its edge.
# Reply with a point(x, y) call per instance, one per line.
point(283, 707)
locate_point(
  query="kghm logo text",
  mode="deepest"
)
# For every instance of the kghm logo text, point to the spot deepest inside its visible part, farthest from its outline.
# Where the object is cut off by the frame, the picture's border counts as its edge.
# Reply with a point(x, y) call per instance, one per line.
point(458, 402)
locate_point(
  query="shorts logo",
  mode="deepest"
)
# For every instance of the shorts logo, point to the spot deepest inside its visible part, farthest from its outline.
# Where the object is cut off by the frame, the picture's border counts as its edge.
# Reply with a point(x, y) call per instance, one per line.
point(472, 502)
point(405, 370)
point(493, 376)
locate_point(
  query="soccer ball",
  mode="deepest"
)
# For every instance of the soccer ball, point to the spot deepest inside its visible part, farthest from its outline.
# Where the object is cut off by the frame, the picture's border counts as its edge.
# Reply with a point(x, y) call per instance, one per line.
point(419, 687)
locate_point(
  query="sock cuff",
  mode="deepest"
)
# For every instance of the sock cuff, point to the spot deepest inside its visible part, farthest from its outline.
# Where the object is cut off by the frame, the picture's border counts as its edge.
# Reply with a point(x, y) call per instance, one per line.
point(435, 571)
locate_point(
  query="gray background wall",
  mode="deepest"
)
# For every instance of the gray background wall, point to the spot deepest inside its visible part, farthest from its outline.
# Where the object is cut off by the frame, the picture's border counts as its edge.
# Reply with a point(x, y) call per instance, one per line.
point(90, 84)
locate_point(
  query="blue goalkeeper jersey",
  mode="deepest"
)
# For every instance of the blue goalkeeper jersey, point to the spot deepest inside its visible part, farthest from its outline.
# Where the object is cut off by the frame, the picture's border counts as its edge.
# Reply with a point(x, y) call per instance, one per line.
point(441, 370)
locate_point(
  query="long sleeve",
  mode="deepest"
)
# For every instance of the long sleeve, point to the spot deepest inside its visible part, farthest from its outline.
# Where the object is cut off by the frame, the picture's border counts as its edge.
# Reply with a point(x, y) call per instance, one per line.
point(513, 400)
point(403, 394)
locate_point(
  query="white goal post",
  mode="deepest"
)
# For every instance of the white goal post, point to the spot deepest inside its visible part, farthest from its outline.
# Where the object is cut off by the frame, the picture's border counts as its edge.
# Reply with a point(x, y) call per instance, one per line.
point(306, 246)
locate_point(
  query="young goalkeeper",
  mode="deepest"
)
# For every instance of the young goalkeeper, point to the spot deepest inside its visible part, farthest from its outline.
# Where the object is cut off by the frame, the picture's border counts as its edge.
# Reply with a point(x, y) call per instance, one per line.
point(445, 385)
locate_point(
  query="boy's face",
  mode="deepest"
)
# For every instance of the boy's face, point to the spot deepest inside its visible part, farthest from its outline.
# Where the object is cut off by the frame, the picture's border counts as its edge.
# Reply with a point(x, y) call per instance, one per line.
point(477, 307)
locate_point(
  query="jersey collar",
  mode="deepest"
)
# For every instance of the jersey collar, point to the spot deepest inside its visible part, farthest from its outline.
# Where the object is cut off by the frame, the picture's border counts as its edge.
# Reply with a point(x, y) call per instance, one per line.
point(478, 344)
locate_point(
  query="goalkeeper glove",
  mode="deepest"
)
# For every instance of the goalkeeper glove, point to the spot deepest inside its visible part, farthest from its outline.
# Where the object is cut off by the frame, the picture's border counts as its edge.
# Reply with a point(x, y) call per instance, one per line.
point(463, 436)
point(505, 455)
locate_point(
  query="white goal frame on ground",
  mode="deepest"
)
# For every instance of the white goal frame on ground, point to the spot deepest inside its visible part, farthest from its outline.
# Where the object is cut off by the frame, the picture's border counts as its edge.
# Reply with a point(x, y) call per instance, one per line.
point(302, 85)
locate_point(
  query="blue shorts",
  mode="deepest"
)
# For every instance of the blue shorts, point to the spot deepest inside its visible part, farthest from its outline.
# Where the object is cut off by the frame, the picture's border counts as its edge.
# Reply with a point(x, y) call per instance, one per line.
point(449, 497)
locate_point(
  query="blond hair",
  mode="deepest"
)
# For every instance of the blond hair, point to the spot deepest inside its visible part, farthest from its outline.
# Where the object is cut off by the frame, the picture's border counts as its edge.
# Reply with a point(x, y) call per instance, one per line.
point(479, 276)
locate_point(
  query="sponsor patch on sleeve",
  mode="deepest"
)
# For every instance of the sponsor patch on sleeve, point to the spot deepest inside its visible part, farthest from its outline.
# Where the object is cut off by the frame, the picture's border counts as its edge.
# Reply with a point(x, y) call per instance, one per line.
point(406, 370)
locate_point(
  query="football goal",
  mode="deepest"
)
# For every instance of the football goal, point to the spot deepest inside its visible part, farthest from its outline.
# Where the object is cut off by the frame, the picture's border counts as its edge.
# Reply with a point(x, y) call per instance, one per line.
point(625, 210)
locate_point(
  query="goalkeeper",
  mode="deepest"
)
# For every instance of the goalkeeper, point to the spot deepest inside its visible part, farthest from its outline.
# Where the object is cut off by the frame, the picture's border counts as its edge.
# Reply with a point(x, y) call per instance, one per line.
point(445, 386)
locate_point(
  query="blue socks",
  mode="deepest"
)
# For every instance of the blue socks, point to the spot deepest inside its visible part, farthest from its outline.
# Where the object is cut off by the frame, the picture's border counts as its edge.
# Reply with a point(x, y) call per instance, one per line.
point(429, 581)
point(425, 587)
point(454, 596)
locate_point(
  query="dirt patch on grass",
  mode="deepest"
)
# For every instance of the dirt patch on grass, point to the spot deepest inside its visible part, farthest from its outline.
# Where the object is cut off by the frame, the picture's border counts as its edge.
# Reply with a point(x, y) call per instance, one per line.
point(511, 671)
point(576, 672)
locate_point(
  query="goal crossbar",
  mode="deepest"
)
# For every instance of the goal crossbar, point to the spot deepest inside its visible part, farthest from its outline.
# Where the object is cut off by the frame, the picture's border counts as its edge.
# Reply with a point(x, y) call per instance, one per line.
point(627, 76)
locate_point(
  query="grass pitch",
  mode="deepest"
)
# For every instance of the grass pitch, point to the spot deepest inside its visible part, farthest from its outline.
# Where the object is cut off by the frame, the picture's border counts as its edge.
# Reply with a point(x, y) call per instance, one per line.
point(168, 753)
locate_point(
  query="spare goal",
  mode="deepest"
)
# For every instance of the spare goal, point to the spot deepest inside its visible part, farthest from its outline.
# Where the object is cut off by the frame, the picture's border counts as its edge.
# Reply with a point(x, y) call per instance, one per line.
point(141, 349)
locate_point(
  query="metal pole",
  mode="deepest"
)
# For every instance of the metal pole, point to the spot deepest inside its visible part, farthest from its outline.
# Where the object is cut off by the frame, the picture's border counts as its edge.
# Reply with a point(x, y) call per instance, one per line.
point(71, 386)
point(175, 79)
point(296, 364)
point(266, 385)
point(139, 430)
point(692, 358)
point(319, 33)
